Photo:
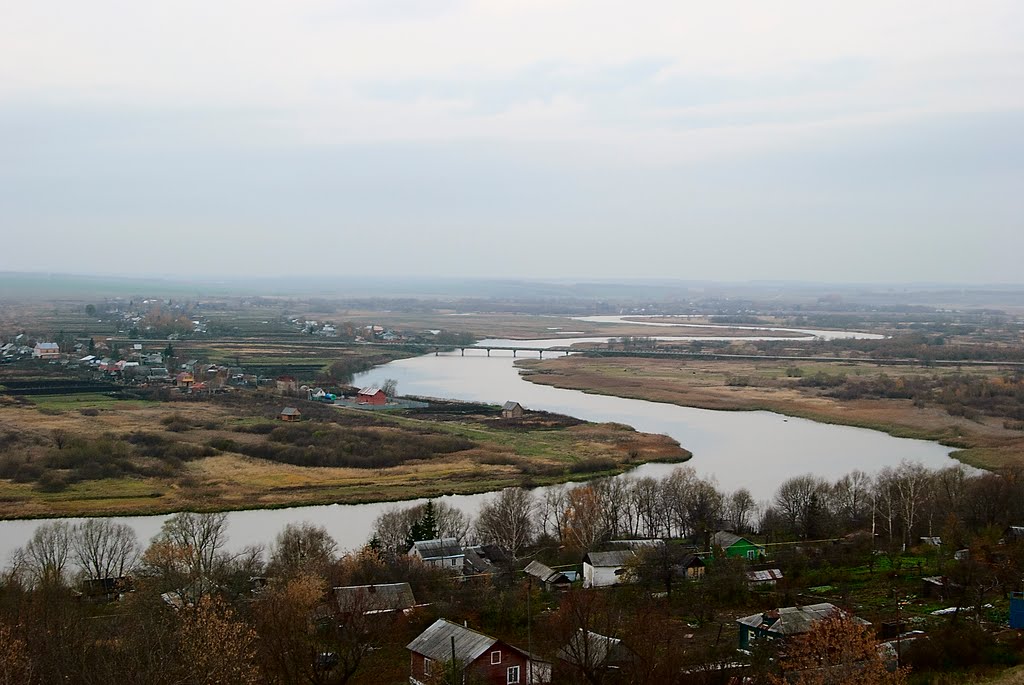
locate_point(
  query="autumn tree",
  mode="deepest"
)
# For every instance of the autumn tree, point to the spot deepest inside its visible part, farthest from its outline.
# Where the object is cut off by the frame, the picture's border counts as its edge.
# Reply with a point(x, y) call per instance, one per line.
point(581, 527)
point(214, 647)
point(837, 650)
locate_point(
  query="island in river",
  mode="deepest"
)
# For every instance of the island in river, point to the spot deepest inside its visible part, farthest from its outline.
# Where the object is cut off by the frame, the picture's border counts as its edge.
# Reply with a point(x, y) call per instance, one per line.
point(93, 455)
point(975, 411)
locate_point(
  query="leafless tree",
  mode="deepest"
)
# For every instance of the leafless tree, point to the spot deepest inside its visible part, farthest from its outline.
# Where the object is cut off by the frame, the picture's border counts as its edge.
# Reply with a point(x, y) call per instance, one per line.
point(199, 539)
point(390, 387)
point(44, 558)
point(739, 509)
point(646, 495)
point(852, 497)
point(508, 520)
point(551, 510)
point(104, 549)
point(301, 547)
point(912, 482)
point(794, 497)
point(392, 528)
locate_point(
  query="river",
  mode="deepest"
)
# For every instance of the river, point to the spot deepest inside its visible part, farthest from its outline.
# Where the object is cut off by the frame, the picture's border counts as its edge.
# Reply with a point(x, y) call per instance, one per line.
point(756, 450)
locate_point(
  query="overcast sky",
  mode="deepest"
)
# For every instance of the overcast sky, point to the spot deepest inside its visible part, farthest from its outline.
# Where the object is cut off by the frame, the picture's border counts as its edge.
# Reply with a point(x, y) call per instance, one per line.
point(818, 140)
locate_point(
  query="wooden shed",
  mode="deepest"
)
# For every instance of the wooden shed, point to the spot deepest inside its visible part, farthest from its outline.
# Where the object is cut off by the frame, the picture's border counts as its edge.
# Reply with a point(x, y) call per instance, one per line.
point(290, 414)
point(512, 410)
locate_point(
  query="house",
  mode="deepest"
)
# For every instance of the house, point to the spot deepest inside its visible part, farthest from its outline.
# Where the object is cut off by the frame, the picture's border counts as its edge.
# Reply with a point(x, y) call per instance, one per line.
point(766, 578)
point(485, 559)
point(184, 380)
point(549, 578)
point(483, 658)
point(736, 546)
point(785, 622)
point(593, 652)
point(691, 566)
point(512, 410)
point(374, 599)
point(1013, 534)
point(106, 589)
point(290, 414)
point(286, 385)
point(371, 395)
point(932, 541)
point(604, 569)
point(444, 552)
point(46, 350)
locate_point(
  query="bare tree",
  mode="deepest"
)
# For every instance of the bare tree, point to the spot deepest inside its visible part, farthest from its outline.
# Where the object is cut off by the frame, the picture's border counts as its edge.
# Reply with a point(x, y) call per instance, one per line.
point(912, 482)
point(104, 549)
point(794, 498)
point(44, 558)
point(852, 497)
point(739, 509)
point(392, 528)
point(390, 387)
point(199, 539)
point(508, 520)
point(301, 547)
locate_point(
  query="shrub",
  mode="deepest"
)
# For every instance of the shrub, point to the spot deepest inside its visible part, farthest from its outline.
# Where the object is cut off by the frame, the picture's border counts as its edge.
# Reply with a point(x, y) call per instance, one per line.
point(52, 482)
point(89, 411)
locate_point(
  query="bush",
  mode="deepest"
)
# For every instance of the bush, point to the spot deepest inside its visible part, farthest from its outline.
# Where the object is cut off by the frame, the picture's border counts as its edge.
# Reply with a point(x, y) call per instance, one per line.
point(593, 465)
point(89, 411)
point(224, 444)
point(52, 482)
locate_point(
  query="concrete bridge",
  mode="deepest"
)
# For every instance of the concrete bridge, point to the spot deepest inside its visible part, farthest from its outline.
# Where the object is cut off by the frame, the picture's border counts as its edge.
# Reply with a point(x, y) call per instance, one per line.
point(515, 350)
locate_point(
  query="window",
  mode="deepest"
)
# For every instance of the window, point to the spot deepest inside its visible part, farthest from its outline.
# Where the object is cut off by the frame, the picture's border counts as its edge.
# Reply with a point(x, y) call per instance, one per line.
point(453, 561)
point(495, 657)
point(751, 554)
point(513, 675)
point(426, 665)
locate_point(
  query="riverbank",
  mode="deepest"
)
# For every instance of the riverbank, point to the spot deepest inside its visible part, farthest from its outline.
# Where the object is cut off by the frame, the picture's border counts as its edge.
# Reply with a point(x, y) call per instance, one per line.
point(94, 456)
point(981, 441)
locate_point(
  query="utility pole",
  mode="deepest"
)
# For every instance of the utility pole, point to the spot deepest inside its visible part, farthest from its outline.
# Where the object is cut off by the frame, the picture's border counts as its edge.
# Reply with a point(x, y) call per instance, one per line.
point(529, 629)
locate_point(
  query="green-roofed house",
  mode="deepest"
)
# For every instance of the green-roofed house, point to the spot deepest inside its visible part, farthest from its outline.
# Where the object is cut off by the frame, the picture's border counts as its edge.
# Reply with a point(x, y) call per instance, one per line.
point(737, 546)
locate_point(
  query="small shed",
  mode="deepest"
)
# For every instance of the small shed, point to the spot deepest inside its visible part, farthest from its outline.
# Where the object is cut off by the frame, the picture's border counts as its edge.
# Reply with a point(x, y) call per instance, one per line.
point(786, 622)
point(766, 578)
point(604, 569)
point(550, 579)
point(372, 395)
point(512, 410)
point(290, 414)
point(595, 652)
point(184, 380)
point(374, 599)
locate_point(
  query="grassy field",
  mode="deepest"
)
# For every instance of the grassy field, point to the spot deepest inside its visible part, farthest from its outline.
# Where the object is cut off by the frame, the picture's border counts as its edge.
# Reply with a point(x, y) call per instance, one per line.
point(983, 441)
point(188, 472)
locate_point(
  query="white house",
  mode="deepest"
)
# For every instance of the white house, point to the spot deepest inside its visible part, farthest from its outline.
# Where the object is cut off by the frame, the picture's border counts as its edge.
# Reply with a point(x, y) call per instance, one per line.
point(604, 569)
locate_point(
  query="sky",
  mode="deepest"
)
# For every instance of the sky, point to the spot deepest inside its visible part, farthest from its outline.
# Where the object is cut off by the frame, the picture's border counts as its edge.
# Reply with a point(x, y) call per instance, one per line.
point(815, 140)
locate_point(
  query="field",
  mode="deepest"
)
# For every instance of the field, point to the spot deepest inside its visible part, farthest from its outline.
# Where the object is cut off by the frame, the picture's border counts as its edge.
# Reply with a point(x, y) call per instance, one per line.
point(89, 454)
point(987, 441)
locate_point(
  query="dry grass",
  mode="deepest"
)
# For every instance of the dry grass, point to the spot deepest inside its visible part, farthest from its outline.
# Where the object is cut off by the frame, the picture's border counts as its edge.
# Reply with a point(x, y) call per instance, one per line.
point(230, 480)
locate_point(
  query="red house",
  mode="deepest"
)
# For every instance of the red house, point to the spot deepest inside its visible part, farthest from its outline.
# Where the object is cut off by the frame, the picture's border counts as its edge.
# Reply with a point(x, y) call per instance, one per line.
point(488, 659)
point(371, 395)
